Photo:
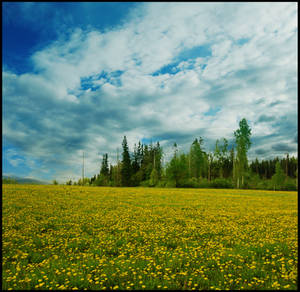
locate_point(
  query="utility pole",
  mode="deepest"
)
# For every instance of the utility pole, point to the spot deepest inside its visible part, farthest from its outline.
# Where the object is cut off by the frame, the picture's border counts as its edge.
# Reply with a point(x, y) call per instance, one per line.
point(190, 164)
point(82, 167)
point(233, 169)
point(100, 161)
point(286, 164)
point(117, 165)
point(209, 165)
point(296, 178)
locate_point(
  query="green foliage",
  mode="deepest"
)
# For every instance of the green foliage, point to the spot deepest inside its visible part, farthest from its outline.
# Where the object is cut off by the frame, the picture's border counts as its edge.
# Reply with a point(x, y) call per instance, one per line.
point(254, 180)
point(135, 160)
point(84, 182)
point(115, 175)
point(126, 164)
point(198, 169)
point(69, 182)
point(104, 167)
point(197, 159)
point(177, 169)
point(242, 136)
point(221, 154)
point(243, 143)
point(289, 185)
point(221, 183)
point(279, 177)
point(153, 178)
point(137, 178)
point(161, 183)
point(145, 183)
point(192, 183)
point(171, 184)
point(105, 176)
point(9, 181)
point(55, 182)
point(204, 183)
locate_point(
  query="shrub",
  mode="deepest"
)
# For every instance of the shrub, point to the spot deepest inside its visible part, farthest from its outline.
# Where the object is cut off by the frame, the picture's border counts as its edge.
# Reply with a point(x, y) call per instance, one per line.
point(190, 183)
point(262, 184)
point(153, 178)
point(161, 184)
point(171, 184)
point(145, 183)
point(289, 185)
point(9, 181)
point(221, 183)
point(204, 183)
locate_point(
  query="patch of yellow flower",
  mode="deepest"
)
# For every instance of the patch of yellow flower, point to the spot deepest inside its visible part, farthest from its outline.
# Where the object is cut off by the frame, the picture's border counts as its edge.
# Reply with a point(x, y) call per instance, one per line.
point(65, 237)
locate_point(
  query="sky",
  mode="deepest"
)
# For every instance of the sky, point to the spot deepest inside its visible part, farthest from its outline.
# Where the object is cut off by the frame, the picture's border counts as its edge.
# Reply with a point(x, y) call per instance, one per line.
point(78, 76)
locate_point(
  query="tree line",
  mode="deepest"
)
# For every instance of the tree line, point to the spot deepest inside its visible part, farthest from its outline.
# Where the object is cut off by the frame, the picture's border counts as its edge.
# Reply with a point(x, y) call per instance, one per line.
point(221, 168)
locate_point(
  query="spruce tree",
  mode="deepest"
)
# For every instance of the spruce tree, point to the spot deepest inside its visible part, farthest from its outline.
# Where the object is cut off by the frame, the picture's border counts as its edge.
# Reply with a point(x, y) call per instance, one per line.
point(135, 160)
point(103, 178)
point(104, 167)
point(157, 159)
point(126, 164)
point(140, 154)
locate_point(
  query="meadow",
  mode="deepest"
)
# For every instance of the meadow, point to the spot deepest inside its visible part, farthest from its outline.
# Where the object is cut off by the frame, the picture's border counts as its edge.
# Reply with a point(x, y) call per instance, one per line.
point(65, 237)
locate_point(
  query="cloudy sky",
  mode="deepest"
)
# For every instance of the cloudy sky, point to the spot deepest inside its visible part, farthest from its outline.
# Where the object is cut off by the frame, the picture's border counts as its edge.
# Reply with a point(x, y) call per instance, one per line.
point(79, 76)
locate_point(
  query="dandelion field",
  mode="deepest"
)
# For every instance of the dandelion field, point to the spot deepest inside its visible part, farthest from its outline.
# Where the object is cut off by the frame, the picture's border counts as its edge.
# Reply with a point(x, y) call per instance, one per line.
point(64, 237)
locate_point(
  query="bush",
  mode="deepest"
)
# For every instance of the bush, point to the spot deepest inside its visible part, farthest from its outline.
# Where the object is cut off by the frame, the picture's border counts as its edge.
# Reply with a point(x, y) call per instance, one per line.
point(270, 185)
point(171, 184)
point(253, 181)
point(190, 183)
point(145, 183)
point(262, 185)
point(9, 181)
point(204, 183)
point(289, 185)
point(161, 184)
point(153, 178)
point(221, 183)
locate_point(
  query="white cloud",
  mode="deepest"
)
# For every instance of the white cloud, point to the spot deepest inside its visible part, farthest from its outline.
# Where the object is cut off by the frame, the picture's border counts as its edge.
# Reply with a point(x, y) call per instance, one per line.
point(242, 78)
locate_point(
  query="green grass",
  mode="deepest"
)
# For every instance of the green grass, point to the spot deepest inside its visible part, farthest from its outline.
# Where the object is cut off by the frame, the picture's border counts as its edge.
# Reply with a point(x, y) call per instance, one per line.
point(137, 238)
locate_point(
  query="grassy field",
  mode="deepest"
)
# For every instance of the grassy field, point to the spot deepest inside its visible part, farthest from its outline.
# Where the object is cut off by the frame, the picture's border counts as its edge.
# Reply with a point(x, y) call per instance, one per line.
point(64, 237)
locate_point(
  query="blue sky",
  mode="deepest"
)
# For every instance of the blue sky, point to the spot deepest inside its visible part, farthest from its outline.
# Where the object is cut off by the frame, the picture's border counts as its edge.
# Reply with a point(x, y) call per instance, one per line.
point(79, 76)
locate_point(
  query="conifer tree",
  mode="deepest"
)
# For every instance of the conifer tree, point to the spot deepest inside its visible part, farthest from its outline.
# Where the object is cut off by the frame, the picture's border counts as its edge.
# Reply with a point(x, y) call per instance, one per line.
point(104, 167)
point(126, 164)
point(135, 160)
point(103, 177)
point(157, 159)
point(140, 154)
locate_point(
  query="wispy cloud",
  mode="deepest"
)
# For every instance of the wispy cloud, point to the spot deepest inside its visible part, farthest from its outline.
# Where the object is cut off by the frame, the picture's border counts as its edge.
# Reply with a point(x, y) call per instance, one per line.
point(171, 70)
